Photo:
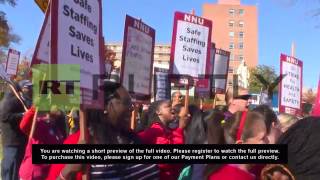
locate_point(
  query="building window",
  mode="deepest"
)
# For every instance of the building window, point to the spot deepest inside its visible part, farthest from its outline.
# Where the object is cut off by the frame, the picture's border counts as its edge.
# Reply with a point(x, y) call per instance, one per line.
point(231, 12)
point(241, 35)
point(231, 34)
point(241, 12)
point(231, 23)
point(241, 24)
point(241, 58)
point(240, 45)
point(231, 45)
point(231, 57)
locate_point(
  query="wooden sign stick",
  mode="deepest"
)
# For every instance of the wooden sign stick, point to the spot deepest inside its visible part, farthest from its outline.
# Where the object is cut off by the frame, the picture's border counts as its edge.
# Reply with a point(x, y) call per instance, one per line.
point(133, 118)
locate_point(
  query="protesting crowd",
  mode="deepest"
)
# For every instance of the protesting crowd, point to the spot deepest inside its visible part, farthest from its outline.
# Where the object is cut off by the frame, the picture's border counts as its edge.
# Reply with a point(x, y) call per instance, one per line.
point(127, 113)
point(164, 122)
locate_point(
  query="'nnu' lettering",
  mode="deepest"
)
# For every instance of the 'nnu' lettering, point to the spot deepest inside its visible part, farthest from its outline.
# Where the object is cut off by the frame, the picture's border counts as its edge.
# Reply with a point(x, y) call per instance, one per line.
point(193, 19)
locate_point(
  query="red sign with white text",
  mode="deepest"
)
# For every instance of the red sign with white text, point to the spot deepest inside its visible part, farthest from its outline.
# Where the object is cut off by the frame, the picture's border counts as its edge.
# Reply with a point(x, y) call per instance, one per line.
point(42, 51)
point(291, 85)
point(191, 44)
point(137, 59)
point(12, 62)
point(76, 38)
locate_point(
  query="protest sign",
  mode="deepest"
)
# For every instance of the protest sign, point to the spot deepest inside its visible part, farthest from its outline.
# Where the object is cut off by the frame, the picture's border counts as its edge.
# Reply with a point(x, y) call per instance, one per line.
point(220, 71)
point(76, 38)
point(12, 62)
point(3, 74)
point(162, 88)
point(137, 59)
point(190, 49)
point(42, 51)
point(212, 56)
point(5, 77)
point(203, 88)
point(291, 85)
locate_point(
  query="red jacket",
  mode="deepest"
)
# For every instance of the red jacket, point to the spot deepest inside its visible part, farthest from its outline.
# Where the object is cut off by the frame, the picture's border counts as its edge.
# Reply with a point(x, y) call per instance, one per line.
point(157, 134)
point(231, 172)
point(55, 169)
point(26, 122)
point(44, 133)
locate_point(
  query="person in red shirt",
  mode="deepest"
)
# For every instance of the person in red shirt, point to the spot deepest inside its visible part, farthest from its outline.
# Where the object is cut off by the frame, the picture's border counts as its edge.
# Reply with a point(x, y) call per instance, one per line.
point(159, 116)
point(49, 129)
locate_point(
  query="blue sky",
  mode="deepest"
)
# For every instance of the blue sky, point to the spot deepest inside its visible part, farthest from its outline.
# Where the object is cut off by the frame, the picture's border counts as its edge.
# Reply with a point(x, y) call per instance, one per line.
point(280, 23)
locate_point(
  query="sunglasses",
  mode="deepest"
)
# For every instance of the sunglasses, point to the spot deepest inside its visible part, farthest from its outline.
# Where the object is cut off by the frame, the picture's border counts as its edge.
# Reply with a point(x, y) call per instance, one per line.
point(243, 97)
